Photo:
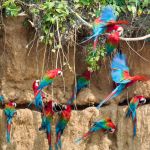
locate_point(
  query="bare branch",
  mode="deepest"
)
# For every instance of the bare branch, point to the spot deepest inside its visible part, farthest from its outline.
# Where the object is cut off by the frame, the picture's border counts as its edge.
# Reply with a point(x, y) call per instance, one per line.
point(80, 18)
point(135, 39)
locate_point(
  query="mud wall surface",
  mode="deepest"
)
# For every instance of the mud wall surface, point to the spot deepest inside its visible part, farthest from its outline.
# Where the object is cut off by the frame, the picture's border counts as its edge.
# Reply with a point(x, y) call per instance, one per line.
point(21, 65)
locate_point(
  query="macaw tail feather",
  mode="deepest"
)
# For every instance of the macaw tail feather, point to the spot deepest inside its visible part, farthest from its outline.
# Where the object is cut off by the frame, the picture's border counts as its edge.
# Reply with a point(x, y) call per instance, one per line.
point(58, 144)
point(95, 43)
point(79, 140)
point(134, 130)
point(134, 126)
point(8, 132)
point(30, 103)
point(49, 140)
point(113, 94)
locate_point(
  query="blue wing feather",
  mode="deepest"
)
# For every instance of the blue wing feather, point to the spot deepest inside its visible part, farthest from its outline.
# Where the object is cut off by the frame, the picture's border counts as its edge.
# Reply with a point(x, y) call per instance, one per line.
point(118, 66)
point(108, 14)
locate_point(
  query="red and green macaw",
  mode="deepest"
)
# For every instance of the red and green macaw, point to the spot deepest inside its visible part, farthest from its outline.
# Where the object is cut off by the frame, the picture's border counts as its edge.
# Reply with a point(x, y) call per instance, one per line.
point(61, 125)
point(49, 109)
point(120, 75)
point(134, 103)
point(39, 97)
point(105, 125)
point(48, 79)
point(2, 99)
point(47, 120)
point(82, 81)
point(106, 20)
point(9, 112)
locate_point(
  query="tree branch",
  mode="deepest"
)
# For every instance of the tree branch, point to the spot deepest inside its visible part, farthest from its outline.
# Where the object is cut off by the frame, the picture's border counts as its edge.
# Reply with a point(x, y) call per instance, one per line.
point(135, 39)
point(80, 18)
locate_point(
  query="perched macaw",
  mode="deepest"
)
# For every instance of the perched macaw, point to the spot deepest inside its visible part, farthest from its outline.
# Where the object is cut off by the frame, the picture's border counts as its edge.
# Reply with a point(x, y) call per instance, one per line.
point(101, 24)
point(120, 75)
point(82, 81)
point(49, 109)
point(48, 79)
point(105, 125)
point(47, 120)
point(9, 112)
point(134, 103)
point(61, 125)
point(39, 97)
point(2, 99)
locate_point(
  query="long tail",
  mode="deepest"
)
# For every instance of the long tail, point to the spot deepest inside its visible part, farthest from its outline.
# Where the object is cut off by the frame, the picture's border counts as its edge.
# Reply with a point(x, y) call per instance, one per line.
point(8, 132)
point(134, 118)
point(79, 140)
point(49, 140)
point(58, 144)
point(113, 94)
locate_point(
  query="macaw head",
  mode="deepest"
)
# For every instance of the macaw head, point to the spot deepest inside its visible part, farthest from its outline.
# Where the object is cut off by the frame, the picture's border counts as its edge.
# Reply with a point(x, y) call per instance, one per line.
point(142, 100)
point(12, 104)
point(119, 30)
point(35, 84)
point(54, 73)
point(115, 29)
point(111, 125)
point(57, 107)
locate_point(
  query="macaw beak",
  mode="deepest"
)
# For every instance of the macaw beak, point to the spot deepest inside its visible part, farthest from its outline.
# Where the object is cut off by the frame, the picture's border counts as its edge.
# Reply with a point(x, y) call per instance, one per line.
point(142, 101)
point(112, 130)
point(60, 73)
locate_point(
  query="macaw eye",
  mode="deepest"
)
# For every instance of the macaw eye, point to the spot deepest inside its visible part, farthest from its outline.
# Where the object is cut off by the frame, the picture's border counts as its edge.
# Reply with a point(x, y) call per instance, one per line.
point(142, 101)
point(111, 130)
point(60, 73)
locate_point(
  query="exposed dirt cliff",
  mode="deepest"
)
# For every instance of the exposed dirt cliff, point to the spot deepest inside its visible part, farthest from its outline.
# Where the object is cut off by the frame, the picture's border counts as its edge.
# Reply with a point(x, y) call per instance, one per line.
point(19, 67)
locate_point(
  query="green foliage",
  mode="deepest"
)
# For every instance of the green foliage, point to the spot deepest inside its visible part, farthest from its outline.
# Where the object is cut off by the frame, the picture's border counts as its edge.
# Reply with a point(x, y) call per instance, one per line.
point(52, 19)
point(94, 57)
point(11, 8)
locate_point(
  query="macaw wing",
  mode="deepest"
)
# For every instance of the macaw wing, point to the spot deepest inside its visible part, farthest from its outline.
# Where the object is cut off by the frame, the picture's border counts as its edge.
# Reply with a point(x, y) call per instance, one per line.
point(119, 68)
point(131, 109)
point(108, 14)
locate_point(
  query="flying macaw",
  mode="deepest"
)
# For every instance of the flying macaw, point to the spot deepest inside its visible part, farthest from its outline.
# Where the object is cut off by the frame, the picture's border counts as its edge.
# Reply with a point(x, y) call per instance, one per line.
point(134, 103)
point(105, 125)
point(101, 24)
point(39, 97)
point(82, 81)
point(9, 112)
point(49, 109)
point(120, 75)
point(2, 99)
point(48, 79)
